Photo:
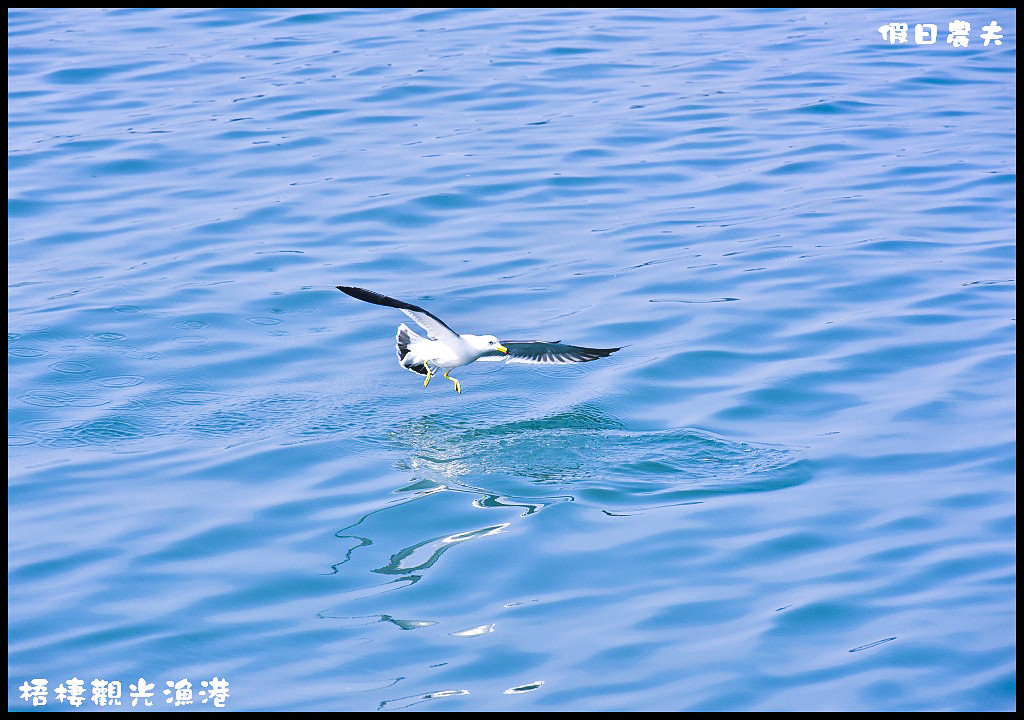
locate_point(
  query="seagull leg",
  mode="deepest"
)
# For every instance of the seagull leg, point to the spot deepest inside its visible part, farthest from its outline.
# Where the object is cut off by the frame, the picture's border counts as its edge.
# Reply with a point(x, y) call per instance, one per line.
point(458, 385)
point(430, 373)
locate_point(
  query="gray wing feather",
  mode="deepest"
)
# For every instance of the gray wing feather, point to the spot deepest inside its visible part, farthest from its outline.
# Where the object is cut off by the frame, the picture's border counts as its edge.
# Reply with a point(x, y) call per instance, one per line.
point(552, 352)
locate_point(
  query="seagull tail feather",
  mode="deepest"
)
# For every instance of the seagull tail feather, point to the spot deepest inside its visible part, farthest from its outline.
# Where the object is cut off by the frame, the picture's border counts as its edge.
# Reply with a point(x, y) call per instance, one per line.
point(403, 339)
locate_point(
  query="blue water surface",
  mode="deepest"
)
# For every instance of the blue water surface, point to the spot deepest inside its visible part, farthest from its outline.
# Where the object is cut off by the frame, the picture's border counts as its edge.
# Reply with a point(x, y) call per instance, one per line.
point(793, 489)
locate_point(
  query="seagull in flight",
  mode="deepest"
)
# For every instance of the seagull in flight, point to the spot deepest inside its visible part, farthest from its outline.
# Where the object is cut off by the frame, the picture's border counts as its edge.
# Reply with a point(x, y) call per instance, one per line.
point(445, 349)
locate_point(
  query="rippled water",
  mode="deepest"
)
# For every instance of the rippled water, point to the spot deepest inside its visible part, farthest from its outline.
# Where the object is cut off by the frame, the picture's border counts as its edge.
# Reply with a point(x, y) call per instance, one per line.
point(794, 489)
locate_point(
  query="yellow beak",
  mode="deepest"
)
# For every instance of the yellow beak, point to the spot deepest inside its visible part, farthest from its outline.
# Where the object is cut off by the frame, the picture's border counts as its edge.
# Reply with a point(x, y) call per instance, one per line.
point(503, 349)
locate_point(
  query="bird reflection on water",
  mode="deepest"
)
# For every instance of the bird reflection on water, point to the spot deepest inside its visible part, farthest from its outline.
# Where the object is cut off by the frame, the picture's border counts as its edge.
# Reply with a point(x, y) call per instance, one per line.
point(582, 455)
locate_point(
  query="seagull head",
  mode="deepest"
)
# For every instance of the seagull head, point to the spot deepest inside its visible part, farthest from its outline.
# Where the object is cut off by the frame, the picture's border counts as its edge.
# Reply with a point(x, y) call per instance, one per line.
point(487, 344)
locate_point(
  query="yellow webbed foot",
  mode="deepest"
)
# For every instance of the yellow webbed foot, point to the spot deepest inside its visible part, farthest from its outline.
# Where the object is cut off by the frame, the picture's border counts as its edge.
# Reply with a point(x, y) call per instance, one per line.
point(430, 373)
point(458, 385)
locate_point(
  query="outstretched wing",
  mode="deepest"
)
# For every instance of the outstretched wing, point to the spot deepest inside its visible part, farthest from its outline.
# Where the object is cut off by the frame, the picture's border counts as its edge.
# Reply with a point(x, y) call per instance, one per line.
point(434, 326)
point(550, 352)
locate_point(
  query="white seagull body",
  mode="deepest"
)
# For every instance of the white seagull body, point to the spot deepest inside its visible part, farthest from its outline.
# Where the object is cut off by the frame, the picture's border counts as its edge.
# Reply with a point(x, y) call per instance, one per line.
point(445, 349)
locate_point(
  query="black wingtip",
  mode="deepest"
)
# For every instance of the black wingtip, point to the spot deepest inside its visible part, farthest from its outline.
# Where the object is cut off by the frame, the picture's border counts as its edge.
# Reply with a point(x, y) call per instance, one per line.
point(364, 295)
point(599, 352)
point(372, 297)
